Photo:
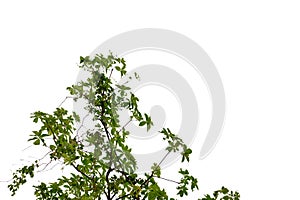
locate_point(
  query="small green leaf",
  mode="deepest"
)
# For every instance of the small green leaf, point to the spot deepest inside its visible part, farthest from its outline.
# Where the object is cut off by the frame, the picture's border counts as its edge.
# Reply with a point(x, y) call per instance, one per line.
point(52, 147)
point(142, 123)
point(81, 59)
point(35, 120)
point(37, 142)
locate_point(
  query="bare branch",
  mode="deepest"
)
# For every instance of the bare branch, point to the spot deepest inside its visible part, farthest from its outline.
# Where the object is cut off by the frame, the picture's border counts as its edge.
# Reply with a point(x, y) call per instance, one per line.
point(67, 97)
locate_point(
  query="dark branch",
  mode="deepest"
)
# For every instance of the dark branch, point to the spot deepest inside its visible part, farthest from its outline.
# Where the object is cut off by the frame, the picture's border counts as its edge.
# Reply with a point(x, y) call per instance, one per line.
point(81, 172)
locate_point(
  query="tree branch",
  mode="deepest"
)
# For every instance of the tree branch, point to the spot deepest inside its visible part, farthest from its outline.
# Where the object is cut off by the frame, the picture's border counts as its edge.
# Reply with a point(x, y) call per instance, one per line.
point(166, 179)
point(152, 174)
point(67, 97)
point(108, 183)
point(81, 172)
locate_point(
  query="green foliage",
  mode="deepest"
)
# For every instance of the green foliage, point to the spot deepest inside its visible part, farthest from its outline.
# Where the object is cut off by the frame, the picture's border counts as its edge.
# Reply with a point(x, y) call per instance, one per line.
point(222, 194)
point(185, 181)
point(20, 175)
point(109, 171)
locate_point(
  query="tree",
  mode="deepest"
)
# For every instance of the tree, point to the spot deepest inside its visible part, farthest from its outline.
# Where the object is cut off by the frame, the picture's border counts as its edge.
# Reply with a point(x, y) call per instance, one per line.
point(109, 170)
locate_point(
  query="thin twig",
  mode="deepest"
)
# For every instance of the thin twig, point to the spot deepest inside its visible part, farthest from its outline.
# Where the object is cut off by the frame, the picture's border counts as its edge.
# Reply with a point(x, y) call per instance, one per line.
point(45, 155)
point(46, 165)
point(111, 73)
point(124, 126)
point(77, 169)
point(166, 179)
point(28, 147)
point(81, 125)
point(152, 174)
point(67, 97)
point(49, 168)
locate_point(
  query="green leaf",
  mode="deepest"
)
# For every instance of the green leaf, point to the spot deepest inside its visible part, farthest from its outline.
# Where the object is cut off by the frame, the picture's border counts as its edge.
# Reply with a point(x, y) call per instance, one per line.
point(118, 68)
point(142, 123)
point(37, 142)
point(81, 59)
point(52, 147)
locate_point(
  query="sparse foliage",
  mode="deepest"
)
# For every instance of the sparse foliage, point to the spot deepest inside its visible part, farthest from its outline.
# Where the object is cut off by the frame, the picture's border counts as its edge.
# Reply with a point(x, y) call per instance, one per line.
point(109, 171)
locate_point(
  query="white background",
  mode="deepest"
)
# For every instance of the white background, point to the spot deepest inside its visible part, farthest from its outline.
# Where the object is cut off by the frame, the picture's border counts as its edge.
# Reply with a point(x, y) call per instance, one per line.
point(254, 44)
